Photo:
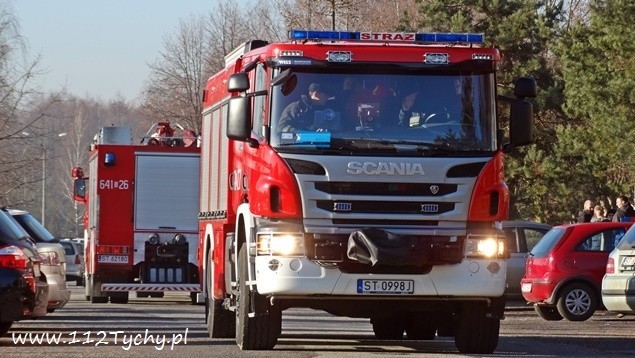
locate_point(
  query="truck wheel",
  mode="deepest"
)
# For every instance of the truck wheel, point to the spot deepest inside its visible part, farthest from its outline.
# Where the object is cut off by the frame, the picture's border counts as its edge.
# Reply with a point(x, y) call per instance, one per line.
point(577, 302)
point(5, 327)
point(421, 326)
point(476, 333)
point(142, 294)
point(221, 322)
point(261, 331)
point(391, 327)
point(119, 298)
point(548, 313)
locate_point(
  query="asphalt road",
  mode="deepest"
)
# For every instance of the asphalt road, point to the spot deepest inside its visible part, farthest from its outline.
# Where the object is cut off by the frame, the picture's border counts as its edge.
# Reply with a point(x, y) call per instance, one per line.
point(172, 327)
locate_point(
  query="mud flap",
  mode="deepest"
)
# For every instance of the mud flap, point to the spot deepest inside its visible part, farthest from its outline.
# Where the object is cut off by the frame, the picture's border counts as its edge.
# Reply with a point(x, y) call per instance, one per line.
point(378, 247)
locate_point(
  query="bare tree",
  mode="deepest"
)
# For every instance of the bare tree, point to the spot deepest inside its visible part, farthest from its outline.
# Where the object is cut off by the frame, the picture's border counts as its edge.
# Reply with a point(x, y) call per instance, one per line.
point(174, 91)
point(370, 15)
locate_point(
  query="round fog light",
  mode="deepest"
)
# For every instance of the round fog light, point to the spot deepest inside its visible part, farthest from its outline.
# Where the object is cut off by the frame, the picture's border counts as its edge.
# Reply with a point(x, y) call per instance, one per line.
point(274, 264)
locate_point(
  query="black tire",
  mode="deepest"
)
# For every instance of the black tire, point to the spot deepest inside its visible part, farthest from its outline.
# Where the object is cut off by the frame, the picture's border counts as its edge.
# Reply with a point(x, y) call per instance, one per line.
point(5, 327)
point(221, 322)
point(475, 333)
point(548, 313)
point(121, 299)
point(577, 302)
point(391, 327)
point(421, 326)
point(260, 332)
point(143, 294)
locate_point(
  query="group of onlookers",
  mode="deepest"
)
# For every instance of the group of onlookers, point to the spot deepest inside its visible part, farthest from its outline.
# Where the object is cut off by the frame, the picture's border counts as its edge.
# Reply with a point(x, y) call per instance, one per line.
point(623, 211)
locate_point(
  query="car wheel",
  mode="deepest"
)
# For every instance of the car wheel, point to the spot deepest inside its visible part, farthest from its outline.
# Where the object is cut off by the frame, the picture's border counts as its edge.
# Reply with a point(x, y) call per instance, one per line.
point(5, 327)
point(391, 327)
point(577, 302)
point(548, 313)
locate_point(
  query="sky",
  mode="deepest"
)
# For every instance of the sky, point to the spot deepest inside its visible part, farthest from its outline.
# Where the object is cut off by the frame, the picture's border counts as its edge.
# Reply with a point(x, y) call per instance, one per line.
point(100, 48)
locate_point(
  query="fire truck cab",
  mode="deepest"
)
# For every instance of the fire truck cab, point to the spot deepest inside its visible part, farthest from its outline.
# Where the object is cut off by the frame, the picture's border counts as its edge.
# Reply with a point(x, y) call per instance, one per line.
point(361, 174)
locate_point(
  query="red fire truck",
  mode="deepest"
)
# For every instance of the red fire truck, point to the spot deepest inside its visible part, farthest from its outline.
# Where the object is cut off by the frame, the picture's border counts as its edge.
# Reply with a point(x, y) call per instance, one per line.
point(325, 183)
point(141, 207)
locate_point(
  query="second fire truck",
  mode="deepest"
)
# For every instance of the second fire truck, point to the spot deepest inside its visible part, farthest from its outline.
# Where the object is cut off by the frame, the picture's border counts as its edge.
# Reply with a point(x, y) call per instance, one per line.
point(378, 206)
point(140, 224)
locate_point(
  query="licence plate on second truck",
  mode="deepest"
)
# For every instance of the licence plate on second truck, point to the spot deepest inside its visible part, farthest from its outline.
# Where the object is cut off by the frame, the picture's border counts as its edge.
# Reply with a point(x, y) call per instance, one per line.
point(386, 286)
point(112, 259)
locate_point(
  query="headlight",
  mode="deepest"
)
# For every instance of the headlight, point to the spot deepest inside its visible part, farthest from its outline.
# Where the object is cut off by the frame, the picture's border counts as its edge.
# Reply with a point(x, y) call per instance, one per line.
point(281, 244)
point(484, 246)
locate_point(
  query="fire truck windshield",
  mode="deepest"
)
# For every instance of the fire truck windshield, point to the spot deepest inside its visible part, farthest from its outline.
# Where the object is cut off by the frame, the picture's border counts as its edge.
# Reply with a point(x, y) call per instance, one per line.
point(367, 112)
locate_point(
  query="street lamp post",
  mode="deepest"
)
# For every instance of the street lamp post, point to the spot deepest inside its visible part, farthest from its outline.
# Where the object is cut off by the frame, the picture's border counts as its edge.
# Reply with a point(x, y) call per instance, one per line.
point(44, 144)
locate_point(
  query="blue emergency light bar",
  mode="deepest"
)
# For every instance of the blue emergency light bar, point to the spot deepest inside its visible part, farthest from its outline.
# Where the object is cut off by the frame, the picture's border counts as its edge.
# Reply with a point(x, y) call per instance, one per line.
point(429, 37)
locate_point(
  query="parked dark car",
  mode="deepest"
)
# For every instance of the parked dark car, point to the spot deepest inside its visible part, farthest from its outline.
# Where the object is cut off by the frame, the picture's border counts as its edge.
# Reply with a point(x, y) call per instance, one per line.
point(52, 255)
point(23, 288)
point(564, 272)
point(522, 236)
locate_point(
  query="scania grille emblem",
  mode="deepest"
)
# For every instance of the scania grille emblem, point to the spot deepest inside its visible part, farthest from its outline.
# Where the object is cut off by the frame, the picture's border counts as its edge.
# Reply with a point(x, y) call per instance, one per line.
point(434, 189)
point(342, 206)
point(429, 208)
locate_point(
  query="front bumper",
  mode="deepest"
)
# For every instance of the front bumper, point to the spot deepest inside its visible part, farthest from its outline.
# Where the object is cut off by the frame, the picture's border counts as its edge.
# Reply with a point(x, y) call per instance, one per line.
point(58, 293)
point(295, 276)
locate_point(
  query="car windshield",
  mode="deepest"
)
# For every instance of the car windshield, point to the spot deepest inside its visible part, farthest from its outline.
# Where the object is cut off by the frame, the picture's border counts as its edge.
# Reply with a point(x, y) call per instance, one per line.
point(385, 111)
point(9, 228)
point(34, 228)
point(628, 240)
point(548, 242)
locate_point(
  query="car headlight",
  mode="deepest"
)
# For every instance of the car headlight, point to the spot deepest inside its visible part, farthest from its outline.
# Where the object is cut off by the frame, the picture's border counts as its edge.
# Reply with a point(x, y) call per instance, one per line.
point(484, 246)
point(281, 244)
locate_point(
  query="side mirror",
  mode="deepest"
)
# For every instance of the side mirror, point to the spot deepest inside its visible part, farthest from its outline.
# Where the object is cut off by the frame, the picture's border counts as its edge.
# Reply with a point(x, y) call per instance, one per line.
point(238, 82)
point(79, 189)
point(238, 123)
point(522, 112)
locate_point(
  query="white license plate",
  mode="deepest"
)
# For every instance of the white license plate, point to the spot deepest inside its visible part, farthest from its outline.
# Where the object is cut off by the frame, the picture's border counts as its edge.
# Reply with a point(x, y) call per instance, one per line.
point(386, 286)
point(525, 287)
point(628, 261)
point(112, 259)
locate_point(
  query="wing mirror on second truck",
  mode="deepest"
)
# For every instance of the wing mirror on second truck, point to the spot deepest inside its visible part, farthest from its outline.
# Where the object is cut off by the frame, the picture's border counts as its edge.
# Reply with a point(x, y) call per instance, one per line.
point(521, 113)
point(79, 185)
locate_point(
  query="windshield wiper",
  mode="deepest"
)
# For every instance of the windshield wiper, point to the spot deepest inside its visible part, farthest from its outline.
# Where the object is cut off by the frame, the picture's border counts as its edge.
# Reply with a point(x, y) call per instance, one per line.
point(446, 147)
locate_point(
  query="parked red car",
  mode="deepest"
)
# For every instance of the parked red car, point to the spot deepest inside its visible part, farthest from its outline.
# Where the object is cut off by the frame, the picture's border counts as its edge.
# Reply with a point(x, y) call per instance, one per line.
point(563, 275)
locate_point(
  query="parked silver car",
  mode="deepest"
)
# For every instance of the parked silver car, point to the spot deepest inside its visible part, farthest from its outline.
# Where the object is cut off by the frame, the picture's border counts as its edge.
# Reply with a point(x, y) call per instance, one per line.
point(54, 259)
point(522, 236)
point(74, 261)
point(618, 283)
